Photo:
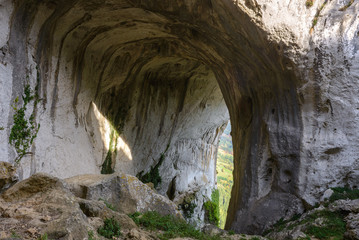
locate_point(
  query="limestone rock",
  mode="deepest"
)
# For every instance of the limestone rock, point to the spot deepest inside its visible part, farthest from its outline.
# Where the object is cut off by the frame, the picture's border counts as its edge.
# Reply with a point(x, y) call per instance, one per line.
point(121, 81)
point(126, 193)
point(345, 205)
point(352, 226)
point(42, 202)
point(99, 209)
point(326, 195)
point(8, 176)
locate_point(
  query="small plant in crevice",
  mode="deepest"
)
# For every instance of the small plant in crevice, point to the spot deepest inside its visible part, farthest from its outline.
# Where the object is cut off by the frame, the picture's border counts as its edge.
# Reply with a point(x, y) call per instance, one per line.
point(316, 17)
point(108, 205)
point(24, 129)
point(91, 235)
point(212, 208)
point(309, 3)
point(1, 128)
point(187, 208)
point(153, 175)
point(346, 6)
point(43, 237)
point(110, 229)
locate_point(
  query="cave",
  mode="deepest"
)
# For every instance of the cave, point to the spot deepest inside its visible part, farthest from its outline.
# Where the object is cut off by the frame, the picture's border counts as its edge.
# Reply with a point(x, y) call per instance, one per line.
point(146, 84)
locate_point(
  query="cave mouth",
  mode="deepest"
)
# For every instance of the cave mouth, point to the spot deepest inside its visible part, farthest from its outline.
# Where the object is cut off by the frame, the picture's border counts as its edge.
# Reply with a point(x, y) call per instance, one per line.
point(224, 166)
point(156, 70)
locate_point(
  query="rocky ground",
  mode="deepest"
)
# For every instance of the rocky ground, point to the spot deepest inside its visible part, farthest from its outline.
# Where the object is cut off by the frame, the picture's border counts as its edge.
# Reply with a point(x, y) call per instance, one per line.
point(93, 206)
point(44, 207)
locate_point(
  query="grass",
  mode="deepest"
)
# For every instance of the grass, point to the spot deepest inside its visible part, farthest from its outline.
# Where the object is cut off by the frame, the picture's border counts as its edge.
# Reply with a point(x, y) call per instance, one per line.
point(43, 237)
point(333, 226)
point(169, 226)
point(344, 193)
point(110, 229)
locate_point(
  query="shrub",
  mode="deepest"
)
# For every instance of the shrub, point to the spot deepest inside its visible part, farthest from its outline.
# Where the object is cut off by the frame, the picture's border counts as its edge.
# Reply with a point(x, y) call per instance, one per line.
point(110, 229)
point(212, 208)
point(188, 208)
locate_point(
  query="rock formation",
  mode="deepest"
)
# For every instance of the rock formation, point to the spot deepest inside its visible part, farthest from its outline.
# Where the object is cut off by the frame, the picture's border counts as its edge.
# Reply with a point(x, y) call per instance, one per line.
point(125, 85)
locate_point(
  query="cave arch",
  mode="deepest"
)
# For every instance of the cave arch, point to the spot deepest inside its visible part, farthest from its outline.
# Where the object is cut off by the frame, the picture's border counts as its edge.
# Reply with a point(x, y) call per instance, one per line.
point(153, 54)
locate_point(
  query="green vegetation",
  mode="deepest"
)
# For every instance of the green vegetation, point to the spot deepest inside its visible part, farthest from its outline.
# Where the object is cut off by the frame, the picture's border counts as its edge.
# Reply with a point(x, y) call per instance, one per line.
point(1, 128)
point(109, 205)
point(316, 17)
point(43, 237)
point(333, 226)
point(212, 209)
point(169, 226)
point(110, 229)
point(14, 234)
point(24, 130)
point(107, 167)
point(347, 5)
point(153, 175)
point(309, 3)
point(224, 173)
point(187, 208)
point(344, 193)
point(91, 235)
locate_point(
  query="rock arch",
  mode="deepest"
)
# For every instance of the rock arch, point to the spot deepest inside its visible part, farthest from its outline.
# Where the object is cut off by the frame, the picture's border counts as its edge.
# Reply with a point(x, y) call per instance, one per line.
point(156, 70)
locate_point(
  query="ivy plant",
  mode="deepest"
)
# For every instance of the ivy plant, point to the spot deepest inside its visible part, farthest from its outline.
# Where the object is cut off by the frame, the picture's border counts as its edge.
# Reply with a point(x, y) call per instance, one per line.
point(24, 129)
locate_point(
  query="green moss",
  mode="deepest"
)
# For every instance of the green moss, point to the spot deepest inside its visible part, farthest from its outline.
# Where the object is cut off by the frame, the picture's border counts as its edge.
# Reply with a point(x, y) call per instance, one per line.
point(24, 129)
point(170, 226)
point(212, 209)
point(110, 229)
point(344, 193)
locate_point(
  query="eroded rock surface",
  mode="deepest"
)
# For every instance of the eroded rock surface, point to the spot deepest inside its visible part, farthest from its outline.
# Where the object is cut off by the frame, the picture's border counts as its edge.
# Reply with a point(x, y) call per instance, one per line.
point(126, 193)
point(123, 83)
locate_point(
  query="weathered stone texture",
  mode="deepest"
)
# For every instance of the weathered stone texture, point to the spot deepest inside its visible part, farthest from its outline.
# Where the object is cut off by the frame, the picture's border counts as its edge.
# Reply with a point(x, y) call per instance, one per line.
point(155, 71)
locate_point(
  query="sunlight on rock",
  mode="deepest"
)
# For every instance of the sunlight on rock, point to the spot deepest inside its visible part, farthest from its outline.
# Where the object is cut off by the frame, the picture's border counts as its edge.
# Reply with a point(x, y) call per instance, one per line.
point(108, 132)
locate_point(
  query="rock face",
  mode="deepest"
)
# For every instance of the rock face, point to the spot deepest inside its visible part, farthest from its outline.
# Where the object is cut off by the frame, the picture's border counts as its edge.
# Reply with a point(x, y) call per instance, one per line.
point(124, 192)
point(8, 175)
point(125, 85)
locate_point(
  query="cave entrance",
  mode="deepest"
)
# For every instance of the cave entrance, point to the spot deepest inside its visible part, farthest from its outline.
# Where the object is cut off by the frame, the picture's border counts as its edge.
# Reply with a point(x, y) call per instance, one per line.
point(224, 168)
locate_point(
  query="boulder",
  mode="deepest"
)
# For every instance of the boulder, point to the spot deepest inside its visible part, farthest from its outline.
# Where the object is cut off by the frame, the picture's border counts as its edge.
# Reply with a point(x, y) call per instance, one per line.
point(125, 192)
point(8, 176)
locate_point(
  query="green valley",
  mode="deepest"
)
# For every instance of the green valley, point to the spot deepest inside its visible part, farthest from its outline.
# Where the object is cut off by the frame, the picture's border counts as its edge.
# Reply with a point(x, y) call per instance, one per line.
point(224, 173)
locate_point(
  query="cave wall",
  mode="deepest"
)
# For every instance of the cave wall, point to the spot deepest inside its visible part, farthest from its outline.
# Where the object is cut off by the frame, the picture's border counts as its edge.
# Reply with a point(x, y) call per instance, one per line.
point(155, 72)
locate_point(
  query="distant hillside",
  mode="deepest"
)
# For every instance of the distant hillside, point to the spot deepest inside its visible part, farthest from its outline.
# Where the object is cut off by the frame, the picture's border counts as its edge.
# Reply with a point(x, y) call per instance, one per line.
point(224, 173)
